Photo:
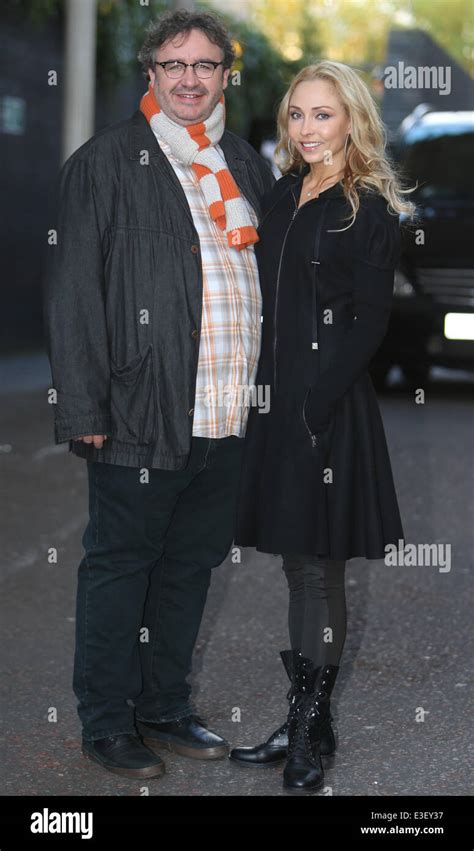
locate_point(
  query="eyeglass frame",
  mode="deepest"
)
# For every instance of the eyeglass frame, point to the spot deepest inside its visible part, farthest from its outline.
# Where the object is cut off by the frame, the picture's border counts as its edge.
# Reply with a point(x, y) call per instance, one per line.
point(189, 65)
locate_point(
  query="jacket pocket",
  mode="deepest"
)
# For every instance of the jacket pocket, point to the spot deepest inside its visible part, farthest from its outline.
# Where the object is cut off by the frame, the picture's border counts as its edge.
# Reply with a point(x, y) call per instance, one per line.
point(132, 399)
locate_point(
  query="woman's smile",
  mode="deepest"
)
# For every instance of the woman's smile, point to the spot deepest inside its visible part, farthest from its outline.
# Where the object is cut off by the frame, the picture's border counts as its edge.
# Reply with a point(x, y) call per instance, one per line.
point(310, 146)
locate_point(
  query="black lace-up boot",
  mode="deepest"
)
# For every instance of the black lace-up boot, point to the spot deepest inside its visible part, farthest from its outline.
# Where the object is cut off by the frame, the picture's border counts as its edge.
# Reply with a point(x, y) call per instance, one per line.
point(307, 718)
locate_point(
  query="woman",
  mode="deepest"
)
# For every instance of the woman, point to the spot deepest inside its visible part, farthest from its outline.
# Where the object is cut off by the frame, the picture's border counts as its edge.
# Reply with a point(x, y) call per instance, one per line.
point(316, 483)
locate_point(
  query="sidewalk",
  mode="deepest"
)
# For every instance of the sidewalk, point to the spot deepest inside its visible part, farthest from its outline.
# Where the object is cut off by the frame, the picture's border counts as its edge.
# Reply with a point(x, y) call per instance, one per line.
point(409, 641)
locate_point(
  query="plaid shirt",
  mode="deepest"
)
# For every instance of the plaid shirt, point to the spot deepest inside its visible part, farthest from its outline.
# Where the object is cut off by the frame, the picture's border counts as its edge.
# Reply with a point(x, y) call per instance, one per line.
point(231, 318)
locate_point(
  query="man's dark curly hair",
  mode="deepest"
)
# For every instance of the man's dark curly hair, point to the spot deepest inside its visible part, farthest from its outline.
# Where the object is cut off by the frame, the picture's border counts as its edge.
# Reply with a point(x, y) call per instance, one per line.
point(171, 24)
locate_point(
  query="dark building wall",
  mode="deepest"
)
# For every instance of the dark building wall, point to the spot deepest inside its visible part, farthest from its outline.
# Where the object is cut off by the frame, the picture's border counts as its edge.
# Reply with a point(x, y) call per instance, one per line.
point(416, 48)
point(29, 158)
point(30, 164)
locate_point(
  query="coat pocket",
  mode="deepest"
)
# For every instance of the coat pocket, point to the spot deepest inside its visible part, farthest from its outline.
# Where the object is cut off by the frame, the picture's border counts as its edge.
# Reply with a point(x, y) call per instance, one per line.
point(132, 399)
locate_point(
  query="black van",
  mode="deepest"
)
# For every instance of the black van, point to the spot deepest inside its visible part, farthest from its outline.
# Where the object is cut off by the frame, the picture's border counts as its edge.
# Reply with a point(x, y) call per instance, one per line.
point(432, 321)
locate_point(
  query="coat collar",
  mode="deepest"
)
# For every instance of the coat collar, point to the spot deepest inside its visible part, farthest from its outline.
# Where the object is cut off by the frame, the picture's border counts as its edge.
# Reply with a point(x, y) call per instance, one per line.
point(142, 138)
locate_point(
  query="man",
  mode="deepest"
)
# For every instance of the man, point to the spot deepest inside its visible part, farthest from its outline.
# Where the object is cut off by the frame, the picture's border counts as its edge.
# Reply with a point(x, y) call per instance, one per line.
point(153, 304)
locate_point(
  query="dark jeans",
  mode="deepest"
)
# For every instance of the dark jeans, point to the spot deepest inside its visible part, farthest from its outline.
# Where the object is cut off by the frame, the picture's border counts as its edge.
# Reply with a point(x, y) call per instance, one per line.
point(143, 582)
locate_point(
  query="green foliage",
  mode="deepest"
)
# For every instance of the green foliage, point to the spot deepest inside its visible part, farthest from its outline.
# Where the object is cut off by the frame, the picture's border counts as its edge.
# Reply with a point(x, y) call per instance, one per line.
point(120, 29)
point(264, 76)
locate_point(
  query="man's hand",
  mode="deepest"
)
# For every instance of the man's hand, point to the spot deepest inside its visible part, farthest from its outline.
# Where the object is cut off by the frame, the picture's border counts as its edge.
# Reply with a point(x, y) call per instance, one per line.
point(96, 439)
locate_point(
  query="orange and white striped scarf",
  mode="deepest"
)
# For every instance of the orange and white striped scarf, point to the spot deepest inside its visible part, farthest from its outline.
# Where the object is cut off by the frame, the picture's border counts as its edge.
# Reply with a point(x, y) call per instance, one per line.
point(194, 145)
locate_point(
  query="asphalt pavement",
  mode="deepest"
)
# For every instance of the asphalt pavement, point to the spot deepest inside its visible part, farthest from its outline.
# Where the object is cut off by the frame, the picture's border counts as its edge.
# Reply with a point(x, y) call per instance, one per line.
point(403, 700)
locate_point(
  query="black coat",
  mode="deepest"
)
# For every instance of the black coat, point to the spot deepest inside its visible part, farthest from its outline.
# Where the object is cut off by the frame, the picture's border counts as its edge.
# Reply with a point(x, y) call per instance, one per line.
point(316, 475)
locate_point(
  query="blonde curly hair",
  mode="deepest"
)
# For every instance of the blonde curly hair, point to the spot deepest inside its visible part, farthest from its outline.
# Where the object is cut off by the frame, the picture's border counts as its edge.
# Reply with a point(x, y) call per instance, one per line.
point(367, 165)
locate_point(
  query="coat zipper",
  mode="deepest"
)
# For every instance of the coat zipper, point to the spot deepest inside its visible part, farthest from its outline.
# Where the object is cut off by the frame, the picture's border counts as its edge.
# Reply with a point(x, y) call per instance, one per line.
point(314, 439)
point(280, 197)
point(295, 213)
point(315, 343)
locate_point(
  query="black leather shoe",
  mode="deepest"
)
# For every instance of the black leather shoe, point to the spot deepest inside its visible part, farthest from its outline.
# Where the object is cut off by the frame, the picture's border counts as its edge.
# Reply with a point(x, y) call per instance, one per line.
point(304, 770)
point(274, 750)
point(124, 754)
point(186, 736)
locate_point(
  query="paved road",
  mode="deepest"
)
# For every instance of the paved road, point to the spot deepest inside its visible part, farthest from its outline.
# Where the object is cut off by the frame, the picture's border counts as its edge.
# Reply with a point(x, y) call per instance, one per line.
point(409, 642)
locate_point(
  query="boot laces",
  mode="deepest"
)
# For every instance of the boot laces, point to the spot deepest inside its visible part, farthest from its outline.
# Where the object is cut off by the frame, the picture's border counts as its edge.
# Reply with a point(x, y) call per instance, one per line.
point(308, 719)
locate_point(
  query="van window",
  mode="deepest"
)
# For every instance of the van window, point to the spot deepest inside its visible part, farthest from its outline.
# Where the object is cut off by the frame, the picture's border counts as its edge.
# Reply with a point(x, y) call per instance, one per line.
point(441, 164)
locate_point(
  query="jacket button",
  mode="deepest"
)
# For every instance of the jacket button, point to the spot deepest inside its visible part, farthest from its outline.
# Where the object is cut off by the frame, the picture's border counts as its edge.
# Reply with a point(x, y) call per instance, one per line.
point(195, 333)
point(190, 412)
point(195, 249)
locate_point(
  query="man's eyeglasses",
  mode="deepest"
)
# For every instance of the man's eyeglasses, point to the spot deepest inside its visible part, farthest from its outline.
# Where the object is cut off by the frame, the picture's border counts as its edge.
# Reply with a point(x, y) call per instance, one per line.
point(175, 69)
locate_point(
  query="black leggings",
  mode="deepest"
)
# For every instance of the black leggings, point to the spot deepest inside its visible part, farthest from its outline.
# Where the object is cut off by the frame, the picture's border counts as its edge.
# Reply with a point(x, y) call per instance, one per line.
point(317, 607)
